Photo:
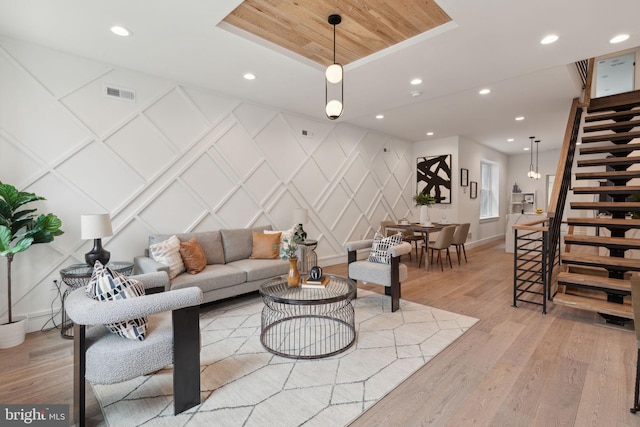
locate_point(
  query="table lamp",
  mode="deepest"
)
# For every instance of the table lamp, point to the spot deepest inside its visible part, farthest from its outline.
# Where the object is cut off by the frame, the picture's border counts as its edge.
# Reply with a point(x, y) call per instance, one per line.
point(96, 227)
point(300, 216)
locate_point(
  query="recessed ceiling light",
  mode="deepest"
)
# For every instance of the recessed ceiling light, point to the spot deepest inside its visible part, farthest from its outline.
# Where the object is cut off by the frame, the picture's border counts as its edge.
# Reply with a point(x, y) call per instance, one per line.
point(519, 118)
point(526, 148)
point(249, 76)
point(551, 38)
point(416, 81)
point(619, 38)
point(510, 140)
point(380, 116)
point(429, 133)
point(484, 91)
point(120, 31)
point(416, 93)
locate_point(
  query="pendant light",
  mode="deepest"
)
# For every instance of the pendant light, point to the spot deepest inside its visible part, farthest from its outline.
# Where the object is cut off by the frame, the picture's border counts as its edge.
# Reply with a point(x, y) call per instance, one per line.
point(532, 172)
point(537, 175)
point(334, 77)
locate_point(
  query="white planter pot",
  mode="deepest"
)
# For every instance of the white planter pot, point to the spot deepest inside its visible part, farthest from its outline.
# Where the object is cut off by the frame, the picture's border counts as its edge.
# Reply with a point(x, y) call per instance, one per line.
point(12, 334)
point(424, 216)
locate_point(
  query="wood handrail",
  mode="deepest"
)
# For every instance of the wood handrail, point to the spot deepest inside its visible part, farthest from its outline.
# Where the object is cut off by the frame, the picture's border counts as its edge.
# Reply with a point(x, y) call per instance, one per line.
point(564, 152)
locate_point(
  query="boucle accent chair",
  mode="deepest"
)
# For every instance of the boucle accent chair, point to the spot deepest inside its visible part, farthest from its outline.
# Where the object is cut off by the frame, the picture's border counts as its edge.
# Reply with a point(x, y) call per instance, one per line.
point(635, 300)
point(173, 337)
point(388, 275)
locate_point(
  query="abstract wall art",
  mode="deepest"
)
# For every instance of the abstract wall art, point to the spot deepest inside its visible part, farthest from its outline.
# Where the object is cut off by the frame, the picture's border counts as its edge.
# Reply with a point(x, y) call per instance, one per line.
point(433, 176)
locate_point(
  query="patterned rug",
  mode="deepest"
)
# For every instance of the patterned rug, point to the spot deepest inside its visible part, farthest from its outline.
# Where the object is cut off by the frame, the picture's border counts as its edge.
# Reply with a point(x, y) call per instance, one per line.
point(245, 385)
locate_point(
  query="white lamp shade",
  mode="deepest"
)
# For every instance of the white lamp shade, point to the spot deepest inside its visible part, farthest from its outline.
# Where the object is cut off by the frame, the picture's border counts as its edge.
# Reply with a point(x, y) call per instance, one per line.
point(334, 109)
point(334, 73)
point(95, 226)
point(300, 216)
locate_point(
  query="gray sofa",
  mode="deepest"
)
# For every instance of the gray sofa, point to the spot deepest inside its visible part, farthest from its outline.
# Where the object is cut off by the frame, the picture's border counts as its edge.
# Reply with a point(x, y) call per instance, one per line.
point(229, 271)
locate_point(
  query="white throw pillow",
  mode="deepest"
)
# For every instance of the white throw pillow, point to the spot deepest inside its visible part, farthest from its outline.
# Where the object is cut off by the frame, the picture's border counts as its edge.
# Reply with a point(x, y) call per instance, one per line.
point(168, 253)
point(380, 248)
point(286, 234)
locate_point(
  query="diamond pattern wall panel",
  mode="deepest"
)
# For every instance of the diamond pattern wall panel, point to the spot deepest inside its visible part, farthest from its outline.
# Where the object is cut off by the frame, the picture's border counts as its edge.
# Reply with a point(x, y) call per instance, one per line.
point(179, 159)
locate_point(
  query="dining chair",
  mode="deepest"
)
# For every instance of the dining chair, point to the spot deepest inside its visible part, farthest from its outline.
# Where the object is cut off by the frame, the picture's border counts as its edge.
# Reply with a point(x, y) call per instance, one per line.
point(459, 238)
point(442, 243)
point(635, 301)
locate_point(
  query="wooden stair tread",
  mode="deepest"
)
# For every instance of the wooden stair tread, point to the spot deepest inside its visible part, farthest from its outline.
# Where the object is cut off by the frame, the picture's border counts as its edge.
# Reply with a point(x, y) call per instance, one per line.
point(617, 102)
point(607, 206)
point(594, 281)
point(608, 189)
point(610, 148)
point(605, 222)
point(597, 306)
point(606, 241)
point(618, 115)
point(621, 136)
point(628, 124)
point(610, 161)
point(609, 175)
point(608, 262)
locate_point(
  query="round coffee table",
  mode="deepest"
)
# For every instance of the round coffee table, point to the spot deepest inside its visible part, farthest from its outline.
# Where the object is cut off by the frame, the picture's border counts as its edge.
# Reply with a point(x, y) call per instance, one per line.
point(308, 323)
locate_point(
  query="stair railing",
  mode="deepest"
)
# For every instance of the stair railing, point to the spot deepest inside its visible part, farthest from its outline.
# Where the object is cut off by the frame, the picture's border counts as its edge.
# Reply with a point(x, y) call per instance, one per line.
point(536, 256)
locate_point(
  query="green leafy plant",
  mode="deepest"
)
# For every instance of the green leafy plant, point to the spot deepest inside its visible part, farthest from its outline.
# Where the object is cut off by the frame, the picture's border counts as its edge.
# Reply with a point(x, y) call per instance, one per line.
point(423, 199)
point(290, 247)
point(20, 228)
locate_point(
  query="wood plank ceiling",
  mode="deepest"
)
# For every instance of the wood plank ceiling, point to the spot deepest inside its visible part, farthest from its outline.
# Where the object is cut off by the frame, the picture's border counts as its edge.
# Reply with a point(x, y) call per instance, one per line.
point(368, 26)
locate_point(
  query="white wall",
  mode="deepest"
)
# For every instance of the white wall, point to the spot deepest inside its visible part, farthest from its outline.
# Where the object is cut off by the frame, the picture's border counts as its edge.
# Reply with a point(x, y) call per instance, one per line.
point(466, 154)
point(177, 159)
point(519, 167)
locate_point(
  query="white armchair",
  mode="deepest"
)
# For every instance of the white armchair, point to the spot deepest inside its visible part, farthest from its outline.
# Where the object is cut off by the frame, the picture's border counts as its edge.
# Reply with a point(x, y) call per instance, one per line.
point(388, 275)
point(173, 337)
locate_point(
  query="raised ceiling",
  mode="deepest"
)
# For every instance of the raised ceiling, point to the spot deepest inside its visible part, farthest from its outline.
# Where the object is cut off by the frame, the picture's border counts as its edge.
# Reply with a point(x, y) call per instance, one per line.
point(367, 26)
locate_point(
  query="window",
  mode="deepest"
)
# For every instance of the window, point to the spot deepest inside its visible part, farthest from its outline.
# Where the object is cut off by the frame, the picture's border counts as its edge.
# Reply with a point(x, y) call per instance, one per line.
point(489, 189)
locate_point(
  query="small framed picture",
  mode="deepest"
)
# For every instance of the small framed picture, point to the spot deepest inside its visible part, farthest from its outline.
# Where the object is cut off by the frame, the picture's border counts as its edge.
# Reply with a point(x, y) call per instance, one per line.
point(473, 192)
point(464, 177)
point(528, 198)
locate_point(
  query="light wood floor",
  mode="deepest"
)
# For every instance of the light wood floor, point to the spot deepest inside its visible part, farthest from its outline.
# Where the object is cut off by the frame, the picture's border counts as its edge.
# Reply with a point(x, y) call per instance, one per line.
point(515, 367)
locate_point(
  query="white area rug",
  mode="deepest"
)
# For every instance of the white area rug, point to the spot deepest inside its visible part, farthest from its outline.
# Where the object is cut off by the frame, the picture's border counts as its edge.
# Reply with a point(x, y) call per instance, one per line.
point(245, 385)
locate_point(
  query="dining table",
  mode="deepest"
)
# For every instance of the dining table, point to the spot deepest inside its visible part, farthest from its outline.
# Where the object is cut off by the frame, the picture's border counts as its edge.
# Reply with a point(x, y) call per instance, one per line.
point(414, 227)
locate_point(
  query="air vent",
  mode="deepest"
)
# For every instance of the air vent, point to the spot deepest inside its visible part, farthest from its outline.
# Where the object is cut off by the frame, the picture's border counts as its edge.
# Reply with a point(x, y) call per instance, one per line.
point(120, 93)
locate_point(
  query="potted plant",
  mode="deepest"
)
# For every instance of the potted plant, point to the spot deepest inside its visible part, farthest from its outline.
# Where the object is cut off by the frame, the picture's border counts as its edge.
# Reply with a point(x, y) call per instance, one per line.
point(19, 229)
point(424, 201)
point(290, 253)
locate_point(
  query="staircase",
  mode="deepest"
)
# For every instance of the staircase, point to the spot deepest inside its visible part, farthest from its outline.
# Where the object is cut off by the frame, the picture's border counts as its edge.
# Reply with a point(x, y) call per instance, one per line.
point(597, 265)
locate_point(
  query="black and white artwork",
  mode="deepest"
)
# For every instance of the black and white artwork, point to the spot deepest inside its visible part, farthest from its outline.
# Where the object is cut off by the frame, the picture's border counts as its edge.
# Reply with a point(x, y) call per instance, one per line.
point(433, 176)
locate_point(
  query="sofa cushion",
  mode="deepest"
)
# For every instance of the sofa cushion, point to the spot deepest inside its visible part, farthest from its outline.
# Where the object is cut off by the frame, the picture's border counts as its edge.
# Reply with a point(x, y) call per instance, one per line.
point(210, 242)
point(167, 252)
point(238, 242)
point(257, 269)
point(265, 246)
point(192, 256)
point(215, 276)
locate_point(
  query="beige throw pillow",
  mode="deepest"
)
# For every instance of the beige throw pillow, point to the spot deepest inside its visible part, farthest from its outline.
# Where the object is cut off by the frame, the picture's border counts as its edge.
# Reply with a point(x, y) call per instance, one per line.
point(265, 246)
point(168, 253)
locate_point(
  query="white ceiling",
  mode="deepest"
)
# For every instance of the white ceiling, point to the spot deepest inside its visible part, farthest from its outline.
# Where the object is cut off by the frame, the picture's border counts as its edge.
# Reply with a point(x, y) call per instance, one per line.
point(490, 43)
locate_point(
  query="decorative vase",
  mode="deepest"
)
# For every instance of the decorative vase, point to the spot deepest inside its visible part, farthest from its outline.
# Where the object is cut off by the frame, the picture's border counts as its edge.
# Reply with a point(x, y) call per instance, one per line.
point(424, 215)
point(293, 278)
point(12, 334)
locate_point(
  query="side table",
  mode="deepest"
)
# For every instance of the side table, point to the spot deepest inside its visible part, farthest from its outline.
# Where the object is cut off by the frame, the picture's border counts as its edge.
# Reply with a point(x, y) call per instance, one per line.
point(78, 275)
